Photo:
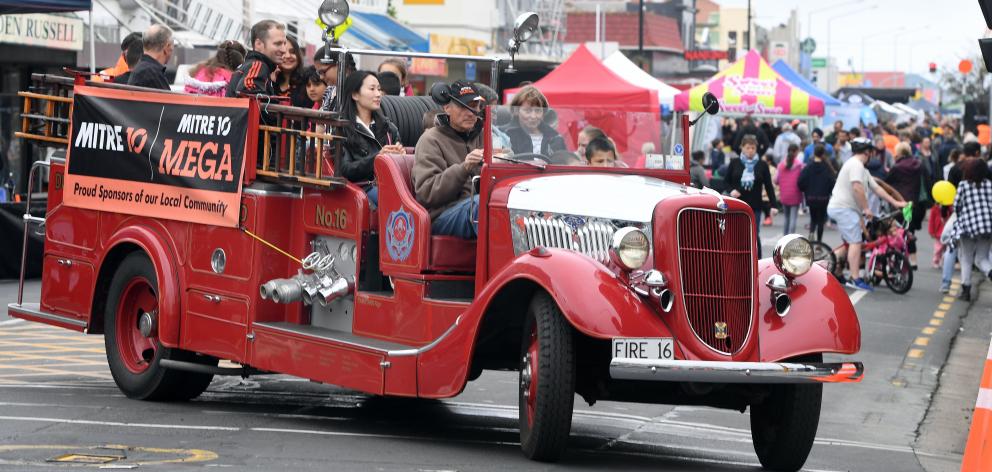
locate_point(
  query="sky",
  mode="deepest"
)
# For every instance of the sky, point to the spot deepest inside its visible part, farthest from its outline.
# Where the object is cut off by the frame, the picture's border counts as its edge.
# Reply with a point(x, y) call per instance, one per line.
point(894, 32)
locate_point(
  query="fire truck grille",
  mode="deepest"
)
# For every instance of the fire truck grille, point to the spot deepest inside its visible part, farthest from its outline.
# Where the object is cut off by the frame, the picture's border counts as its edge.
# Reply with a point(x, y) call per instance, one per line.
point(591, 238)
point(715, 264)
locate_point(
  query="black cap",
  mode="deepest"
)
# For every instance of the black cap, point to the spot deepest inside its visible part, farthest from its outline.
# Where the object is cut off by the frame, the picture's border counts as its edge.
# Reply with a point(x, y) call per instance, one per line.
point(465, 93)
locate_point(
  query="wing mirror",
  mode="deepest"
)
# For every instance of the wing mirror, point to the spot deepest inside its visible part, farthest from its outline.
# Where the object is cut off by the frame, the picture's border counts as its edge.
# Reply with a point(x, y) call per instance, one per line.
point(710, 104)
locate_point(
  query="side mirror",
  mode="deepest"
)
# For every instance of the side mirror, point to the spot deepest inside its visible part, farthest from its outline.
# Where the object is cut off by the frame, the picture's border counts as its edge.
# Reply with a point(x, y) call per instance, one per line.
point(710, 103)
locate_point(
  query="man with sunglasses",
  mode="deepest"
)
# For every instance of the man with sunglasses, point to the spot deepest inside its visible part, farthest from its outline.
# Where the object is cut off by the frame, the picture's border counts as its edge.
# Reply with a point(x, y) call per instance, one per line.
point(446, 158)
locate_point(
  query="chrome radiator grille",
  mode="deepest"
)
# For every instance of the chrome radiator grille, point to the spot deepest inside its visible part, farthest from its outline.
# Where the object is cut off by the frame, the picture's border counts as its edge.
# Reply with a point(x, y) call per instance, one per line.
point(590, 236)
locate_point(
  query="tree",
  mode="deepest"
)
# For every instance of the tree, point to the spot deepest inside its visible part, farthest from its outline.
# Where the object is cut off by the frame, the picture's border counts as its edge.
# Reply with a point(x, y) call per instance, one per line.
point(391, 9)
point(970, 87)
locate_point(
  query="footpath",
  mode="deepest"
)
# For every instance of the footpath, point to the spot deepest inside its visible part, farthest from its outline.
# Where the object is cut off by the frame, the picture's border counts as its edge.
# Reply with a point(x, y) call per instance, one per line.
point(942, 435)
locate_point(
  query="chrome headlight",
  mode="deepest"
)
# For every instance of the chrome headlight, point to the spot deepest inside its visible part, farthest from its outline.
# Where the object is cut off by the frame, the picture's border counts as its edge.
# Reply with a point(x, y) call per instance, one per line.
point(629, 248)
point(793, 255)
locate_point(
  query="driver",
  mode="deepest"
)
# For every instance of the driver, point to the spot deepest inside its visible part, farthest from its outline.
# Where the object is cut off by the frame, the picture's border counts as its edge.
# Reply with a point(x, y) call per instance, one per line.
point(446, 158)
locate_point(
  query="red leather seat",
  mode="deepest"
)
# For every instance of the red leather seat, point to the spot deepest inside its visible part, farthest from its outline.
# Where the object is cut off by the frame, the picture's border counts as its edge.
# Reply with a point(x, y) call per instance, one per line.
point(399, 212)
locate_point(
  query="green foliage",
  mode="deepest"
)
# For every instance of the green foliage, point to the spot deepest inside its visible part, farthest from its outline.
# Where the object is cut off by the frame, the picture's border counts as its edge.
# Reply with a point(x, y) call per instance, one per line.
point(391, 9)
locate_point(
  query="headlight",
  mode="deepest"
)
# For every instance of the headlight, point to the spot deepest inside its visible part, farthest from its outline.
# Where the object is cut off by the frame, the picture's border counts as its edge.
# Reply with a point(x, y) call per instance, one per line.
point(793, 255)
point(630, 248)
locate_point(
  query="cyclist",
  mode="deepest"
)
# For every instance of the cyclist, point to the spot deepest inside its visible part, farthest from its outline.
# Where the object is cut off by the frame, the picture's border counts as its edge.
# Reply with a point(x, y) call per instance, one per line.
point(849, 202)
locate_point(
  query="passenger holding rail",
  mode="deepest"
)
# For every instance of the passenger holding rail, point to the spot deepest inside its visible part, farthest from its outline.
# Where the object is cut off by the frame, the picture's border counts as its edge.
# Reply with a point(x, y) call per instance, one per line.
point(447, 157)
point(371, 132)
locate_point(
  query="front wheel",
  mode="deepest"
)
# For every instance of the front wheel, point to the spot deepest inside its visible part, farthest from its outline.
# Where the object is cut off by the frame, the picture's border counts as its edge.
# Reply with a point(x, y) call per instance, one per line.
point(898, 272)
point(134, 355)
point(783, 426)
point(547, 381)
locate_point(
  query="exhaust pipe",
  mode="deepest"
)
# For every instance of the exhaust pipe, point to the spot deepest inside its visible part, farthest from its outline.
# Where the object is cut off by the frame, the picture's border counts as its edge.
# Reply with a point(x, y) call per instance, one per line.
point(337, 289)
point(782, 304)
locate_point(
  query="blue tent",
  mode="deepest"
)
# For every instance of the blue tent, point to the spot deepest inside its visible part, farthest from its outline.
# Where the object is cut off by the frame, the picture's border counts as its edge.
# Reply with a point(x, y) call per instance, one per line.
point(43, 6)
point(794, 78)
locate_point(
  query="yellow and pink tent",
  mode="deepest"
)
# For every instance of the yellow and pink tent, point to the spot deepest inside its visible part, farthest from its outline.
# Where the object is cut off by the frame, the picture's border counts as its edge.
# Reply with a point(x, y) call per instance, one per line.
point(751, 86)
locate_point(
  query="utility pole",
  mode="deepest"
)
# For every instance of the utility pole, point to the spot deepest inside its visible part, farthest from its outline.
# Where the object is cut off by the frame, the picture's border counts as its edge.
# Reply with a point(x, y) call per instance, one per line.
point(748, 26)
point(640, 27)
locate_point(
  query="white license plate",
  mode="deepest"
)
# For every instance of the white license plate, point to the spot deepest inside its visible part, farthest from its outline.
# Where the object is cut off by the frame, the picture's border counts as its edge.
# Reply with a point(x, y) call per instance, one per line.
point(643, 348)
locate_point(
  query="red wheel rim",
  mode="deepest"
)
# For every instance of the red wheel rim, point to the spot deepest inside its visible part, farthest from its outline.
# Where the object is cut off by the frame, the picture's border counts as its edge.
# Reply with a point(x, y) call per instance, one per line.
point(529, 374)
point(136, 351)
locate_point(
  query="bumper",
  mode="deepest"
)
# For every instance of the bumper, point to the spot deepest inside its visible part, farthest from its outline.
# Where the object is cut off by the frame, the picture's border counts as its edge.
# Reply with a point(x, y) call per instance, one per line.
point(735, 372)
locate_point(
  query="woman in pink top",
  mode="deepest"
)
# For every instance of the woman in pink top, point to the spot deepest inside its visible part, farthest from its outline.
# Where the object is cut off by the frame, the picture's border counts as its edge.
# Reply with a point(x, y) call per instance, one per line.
point(211, 76)
point(787, 178)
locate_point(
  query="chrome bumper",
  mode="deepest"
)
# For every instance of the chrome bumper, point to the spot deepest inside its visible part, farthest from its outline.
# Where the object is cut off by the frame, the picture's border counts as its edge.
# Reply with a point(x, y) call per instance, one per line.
point(735, 372)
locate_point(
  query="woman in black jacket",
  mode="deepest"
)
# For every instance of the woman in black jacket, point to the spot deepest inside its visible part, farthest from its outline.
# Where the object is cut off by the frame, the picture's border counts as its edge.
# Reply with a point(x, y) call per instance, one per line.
point(816, 182)
point(371, 132)
point(529, 134)
point(746, 177)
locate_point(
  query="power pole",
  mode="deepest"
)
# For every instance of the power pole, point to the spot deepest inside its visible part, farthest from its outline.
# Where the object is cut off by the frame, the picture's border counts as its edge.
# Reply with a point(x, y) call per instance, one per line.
point(640, 27)
point(748, 25)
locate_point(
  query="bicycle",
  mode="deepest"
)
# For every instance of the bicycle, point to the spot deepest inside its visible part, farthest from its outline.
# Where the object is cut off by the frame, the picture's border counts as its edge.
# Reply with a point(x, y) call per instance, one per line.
point(885, 255)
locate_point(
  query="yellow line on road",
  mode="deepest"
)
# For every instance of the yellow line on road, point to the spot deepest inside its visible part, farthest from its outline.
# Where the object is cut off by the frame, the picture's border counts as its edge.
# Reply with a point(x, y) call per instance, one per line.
point(944, 306)
point(922, 341)
point(929, 330)
point(935, 322)
point(948, 299)
point(52, 347)
point(939, 314)
point(915, 353)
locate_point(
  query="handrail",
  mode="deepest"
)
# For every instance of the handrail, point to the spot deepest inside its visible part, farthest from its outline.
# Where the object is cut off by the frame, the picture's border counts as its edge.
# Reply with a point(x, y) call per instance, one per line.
point(28, 219)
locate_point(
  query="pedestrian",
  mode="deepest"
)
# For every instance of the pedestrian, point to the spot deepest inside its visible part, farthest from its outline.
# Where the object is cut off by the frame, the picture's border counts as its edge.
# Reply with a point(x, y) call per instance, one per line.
point(834, 135)
point(787, 179)
point(288, 80)
point(748, 128)
point(212, 76)
point(817, 137)
point(784, 141)
point(842, 147)
point(973, 227)
point(158, 48)
point(371, 132)
point(717, 156)
point(906, 177)
point(849, 201)
point(747, 177)
point(816, 181)
point(971, 151)
point(697, 173)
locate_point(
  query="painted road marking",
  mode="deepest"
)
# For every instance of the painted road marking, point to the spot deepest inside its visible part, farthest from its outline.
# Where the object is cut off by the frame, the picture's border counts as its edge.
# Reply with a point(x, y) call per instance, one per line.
point(929, 330)
point(915, 353)
point(935, 322)
point(857, 296)
point(944, 306)
point(922, 341)
point(939, 314)
point(11, 322)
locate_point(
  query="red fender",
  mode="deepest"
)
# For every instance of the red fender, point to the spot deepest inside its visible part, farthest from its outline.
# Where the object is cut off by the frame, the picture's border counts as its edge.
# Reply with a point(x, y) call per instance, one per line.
point(821, 319)
point(159, 249)
point(590, 297)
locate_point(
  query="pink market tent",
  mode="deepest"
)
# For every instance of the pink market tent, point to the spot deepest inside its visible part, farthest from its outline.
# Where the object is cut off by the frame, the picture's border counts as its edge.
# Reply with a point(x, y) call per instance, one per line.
point(750, 85)
point(583, 92)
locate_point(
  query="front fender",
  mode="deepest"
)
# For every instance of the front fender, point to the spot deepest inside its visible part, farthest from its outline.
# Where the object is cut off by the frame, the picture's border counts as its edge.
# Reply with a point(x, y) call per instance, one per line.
point(160, 250)
point(821, 319)
point(591, 298)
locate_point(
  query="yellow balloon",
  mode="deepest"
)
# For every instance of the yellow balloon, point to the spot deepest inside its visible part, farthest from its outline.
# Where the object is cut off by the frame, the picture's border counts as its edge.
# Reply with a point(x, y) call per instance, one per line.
point(943, 193)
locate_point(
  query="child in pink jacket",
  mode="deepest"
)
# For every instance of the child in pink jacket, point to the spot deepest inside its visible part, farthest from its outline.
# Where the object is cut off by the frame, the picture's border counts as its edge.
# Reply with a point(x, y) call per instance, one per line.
point(787, 179)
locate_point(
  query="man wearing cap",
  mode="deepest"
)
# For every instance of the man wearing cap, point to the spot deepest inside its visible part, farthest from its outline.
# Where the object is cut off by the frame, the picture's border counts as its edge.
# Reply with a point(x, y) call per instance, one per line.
point(446, 158)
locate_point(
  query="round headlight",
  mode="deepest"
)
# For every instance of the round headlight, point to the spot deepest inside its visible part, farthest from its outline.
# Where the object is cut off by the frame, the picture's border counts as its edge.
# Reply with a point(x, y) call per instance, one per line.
point(630, 248)
point(793, 255)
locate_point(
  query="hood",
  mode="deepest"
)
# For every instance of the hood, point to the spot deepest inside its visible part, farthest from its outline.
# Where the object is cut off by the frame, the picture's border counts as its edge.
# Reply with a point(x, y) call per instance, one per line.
point(618, 197)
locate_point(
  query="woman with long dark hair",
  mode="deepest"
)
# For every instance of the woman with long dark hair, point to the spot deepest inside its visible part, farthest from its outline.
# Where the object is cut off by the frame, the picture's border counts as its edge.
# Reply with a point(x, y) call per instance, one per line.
point(211, 76)
point(816, 181)
point(371, 132)
point(289, 80)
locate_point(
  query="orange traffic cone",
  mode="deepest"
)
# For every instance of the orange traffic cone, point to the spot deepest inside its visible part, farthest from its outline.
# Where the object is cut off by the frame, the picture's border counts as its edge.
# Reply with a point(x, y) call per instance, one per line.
point(978, 451)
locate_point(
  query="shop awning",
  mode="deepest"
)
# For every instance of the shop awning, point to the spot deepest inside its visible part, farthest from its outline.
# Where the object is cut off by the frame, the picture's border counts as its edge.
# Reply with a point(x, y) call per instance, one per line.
point(384, 33)
point(44, 6)
point(750, 85)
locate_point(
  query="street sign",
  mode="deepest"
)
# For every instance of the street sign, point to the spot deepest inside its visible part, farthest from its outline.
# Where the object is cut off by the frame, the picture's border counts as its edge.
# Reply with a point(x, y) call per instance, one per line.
point(818, 62)
point(808, 46)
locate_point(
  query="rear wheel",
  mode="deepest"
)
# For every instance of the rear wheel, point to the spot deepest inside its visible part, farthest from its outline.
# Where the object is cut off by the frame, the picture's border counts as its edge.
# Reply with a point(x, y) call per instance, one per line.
point(134, 356)
point(547, 381)
point(783, 426)
point(898, 272)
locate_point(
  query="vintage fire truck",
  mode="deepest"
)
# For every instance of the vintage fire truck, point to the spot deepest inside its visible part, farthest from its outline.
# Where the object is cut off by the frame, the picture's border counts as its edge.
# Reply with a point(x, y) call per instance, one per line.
point(186, 230)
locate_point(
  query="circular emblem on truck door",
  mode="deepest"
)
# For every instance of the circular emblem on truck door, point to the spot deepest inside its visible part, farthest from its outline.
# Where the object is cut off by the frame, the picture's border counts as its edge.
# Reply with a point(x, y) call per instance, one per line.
point(400, 232)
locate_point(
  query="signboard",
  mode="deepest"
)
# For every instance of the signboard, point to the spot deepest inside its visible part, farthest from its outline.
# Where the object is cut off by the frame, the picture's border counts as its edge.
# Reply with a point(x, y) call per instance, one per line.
point(808, 46)
point(818, 62)
point(429, 66)
point(778, 50)
point(50, 31)
point(705, 55)
point(443, 44)
point(159, 155)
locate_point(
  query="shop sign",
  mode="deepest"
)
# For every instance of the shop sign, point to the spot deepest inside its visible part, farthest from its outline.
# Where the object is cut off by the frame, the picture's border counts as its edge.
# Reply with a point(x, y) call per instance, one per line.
point(50, 31)
point(456, 45)
point(705, 55)
point(430, 67)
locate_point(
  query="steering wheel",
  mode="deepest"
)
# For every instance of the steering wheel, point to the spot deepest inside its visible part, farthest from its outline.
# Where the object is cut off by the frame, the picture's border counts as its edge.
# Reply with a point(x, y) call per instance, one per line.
point(529, 155)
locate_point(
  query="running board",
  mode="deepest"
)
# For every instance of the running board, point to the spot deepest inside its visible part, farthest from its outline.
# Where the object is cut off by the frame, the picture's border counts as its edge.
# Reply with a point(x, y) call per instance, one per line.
point(244, 371)
point(33, 312)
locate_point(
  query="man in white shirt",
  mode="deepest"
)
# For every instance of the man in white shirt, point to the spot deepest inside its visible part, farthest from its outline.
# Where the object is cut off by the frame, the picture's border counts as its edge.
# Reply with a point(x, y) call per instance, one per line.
point(849, 201)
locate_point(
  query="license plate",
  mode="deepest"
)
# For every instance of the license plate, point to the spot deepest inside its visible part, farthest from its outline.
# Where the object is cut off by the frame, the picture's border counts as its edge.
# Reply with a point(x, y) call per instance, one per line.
point(643, 348)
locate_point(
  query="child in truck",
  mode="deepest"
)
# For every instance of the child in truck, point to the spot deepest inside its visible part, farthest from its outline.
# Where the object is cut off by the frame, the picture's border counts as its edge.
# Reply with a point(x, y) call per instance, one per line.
point(601, 153)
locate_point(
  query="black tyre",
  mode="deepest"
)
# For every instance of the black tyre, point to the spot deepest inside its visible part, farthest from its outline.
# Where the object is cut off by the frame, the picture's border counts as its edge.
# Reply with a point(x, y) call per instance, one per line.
point(783, 426)
point(824, 256)
point(133, 357)
point(547, 381)
point(898, 272)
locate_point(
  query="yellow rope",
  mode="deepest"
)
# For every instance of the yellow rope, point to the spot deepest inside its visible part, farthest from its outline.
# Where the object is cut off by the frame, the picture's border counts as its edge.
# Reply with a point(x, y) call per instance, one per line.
point(280, 251)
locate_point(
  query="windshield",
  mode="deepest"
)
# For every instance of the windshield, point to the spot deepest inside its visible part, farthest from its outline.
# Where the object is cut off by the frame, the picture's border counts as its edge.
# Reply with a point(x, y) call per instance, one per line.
point(588, 137)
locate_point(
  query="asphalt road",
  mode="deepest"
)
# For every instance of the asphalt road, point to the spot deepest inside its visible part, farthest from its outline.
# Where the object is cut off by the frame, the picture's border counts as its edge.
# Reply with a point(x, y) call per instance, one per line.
point(58, 402)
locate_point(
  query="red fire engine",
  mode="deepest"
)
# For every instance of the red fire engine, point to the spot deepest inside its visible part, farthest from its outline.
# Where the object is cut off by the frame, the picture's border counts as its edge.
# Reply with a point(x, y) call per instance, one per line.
point(658, 299)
